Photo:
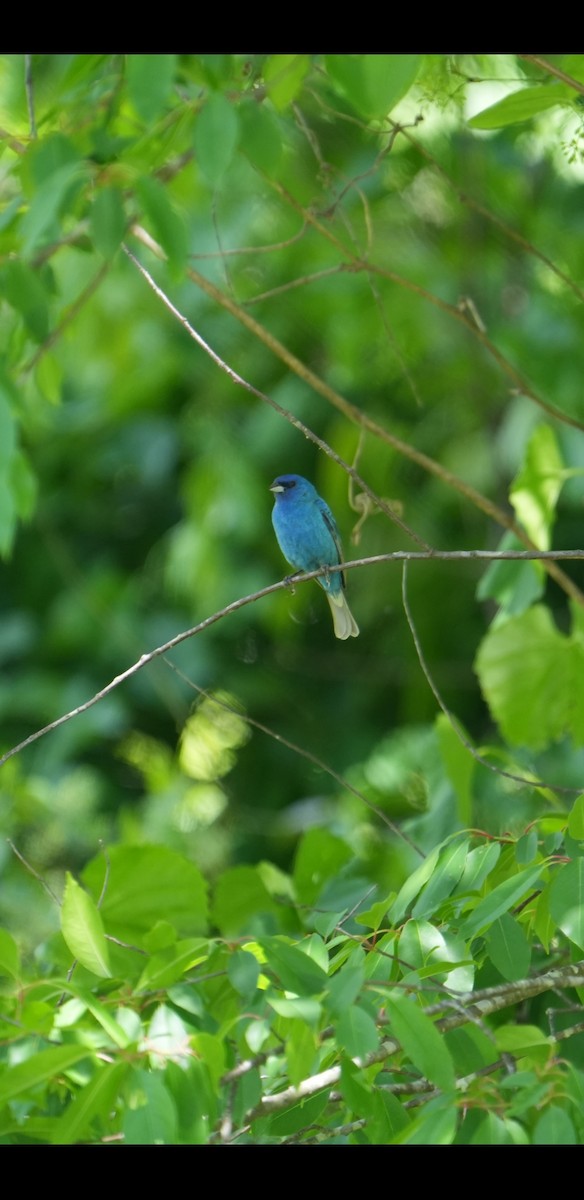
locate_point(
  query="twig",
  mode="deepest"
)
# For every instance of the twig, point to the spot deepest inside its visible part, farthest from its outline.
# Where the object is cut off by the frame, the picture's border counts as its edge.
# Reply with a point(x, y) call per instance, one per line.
point(399, 556)
point(28, 83)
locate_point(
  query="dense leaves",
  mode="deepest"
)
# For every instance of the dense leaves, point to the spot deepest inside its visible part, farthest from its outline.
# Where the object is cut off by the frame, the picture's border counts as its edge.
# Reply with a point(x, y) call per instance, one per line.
point(271, 887)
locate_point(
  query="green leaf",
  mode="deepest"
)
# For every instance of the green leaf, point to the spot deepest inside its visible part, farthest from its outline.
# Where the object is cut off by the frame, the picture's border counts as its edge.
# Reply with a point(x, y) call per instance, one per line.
point(530, 675)
point(445, 876)
point(297, 971)
point(240, 895)
point(357, 1032)
point(522, 105)
point(576, 820)
point(9, 957)
point(566, 901)
point(23, 289)
point(435, 1126)
point(243, 971)
point(319, 857)
point(301, 1007)
point(505, 896)
point(54, 197)
point(82, 928)
point(261, 138)
point(413, 884)
point(344, 987)
point(535, 490)
point(374, 83)
point(95, 1099)
point(169, 228)
point(107, 221)
point(479, 864)
point(216, 136)
point(42, 1067)
point(356, 1089)
point(422, 944)
point(514, 585)
point(283, 76)
point(153, 1122)
point(554, 1128)
point(145, 883)
point(299, 1116)
point(420, 1040)
point(508, 948)
point(171, 963)
point(301, 1051)
point(150, 78)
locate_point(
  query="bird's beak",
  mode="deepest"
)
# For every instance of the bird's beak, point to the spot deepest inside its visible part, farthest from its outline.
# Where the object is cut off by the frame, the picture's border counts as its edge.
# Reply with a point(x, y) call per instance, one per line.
point(276, 487)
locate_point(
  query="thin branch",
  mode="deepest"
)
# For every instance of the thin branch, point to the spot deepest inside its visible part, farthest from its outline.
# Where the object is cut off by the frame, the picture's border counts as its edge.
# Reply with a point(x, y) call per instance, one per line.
point(73, 310)
point(551, 70)
point(397, 556)
point(486, 1001)
point(296, 237)
point(508, 230)
point(28, 83)
point(302, 753)
point(249, 387)
point(363, 421)
point(34, 873)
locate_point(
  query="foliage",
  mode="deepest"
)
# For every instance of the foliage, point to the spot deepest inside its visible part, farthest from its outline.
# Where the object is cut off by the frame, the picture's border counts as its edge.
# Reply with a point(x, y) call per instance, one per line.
point(270, 895)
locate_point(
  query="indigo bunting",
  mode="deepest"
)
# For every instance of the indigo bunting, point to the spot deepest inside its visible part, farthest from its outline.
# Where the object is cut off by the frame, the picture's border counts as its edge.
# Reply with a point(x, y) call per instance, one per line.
point(308, 538)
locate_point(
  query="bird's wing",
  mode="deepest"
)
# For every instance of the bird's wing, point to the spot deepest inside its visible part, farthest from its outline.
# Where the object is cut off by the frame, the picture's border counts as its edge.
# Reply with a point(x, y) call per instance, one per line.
point(331, 525)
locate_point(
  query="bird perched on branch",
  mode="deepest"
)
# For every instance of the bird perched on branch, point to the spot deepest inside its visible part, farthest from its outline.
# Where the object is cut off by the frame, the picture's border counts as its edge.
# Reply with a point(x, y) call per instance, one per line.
point(308, 538)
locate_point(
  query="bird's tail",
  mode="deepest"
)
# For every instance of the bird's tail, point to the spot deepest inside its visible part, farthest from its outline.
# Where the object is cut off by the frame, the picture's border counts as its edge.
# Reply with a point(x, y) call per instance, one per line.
point(343, 620)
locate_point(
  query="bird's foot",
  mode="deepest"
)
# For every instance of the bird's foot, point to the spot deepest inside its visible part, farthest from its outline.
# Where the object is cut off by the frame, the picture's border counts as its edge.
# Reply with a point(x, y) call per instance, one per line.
point(289, 580)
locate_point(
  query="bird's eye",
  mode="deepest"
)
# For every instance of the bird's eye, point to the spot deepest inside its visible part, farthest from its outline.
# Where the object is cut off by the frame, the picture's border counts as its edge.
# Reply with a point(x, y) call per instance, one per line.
point(291, 483)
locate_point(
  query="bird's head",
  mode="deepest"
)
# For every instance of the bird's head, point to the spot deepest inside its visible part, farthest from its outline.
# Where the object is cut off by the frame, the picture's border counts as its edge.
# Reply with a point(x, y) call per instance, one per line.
point(286, 487)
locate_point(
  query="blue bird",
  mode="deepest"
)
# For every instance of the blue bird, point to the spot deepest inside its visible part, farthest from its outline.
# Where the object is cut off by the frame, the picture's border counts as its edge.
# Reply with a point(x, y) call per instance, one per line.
point(308, 538)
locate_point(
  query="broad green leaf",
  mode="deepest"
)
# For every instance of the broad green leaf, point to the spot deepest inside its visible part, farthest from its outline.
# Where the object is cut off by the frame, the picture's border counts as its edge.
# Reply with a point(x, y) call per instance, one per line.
point(319, 857)
point(82, 928)
point(509, 948)
point(514, 585)
point(151, 1120)
point(503, 897)
point(146, 883)
point(356, 1089)
point(434, 1126)
point(299, 1116)
point(530, 675)
point(9, 956)
point(23, 289)
point(576, 820)
point(261, 138)
point(522, 105)
point(150, 78)
point(283, 75)
point(389, 1118)
point(526, 848)
point(357, 1032)
point(165, 967)
point(522, 1039)
point(49, 378)
point(301, 1007)
point(479, 864)
point(42, 1067)
point(243, 971)
point(492, 1131)
point(374, 83)
point(107, 221)
point(413, 884)
point(301, 1051)
point(296, 971)
point(422, 944)
point(216, 136)
point(169, 228)
point(554, 1128)
point(240, 895)
point(443, 880)
point(50, 201)
point(420, 1040)
point(101, 1012)
point(211, 1050)
point(535, 490)
point(345, 985)
point(566, 901)
point(95, 1098)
